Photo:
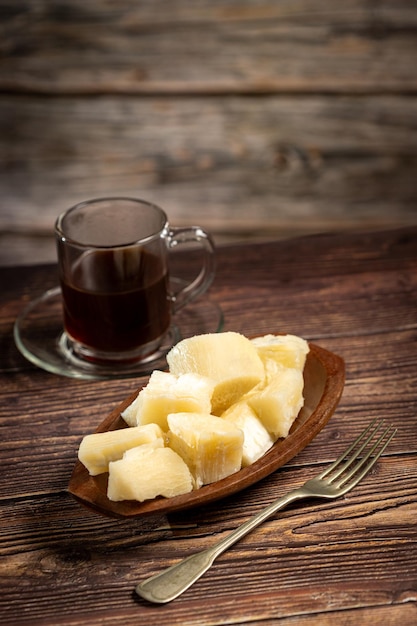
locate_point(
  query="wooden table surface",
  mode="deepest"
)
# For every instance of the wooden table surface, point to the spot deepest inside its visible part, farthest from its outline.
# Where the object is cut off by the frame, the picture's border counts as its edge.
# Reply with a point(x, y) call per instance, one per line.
point(349, 561)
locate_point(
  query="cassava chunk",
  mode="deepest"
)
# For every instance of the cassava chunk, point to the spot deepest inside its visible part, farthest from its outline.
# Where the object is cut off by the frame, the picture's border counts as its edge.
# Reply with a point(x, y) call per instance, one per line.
point(166, 393)
point(278, 404)
point(257, 440)
point(229, 359)
point(278, 351)
point(210, 446)
point(97, 450)
point(146, 472)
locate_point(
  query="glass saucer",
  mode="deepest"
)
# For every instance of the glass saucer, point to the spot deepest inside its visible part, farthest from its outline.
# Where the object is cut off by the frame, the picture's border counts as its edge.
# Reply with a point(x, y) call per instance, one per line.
point(38, 334)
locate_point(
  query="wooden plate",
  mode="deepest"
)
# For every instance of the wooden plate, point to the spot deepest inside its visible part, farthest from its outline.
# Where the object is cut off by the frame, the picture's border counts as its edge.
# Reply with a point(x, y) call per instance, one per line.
point(324, 375)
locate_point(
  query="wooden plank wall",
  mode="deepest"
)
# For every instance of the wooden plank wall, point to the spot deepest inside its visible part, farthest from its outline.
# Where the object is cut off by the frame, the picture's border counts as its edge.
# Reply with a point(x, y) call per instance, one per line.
point(250, 118)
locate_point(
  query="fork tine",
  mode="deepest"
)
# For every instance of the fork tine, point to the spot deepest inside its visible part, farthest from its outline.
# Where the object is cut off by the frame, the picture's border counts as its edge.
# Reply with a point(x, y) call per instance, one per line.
point(378, 449)
point(349, 461)
point(346, 453)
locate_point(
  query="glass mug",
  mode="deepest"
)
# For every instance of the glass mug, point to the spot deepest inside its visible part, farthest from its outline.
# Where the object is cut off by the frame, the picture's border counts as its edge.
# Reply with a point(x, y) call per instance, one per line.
point(114, 276)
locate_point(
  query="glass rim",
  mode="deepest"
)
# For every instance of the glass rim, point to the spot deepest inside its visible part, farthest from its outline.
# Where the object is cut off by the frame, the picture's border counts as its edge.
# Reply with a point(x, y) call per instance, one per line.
point(62, 236)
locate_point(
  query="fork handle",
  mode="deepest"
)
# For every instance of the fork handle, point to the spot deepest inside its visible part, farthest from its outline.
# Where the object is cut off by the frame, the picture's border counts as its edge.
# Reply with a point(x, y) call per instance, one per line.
point(173, 581)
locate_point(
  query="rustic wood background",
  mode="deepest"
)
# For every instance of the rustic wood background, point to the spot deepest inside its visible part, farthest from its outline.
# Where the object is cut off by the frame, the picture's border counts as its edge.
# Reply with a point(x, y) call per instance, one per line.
point(250, 118)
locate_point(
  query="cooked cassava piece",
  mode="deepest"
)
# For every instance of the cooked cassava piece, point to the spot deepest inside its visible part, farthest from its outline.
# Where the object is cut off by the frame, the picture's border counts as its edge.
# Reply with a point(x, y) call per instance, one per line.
point(166, 393)
point(279, 402)
point(283, 350)
point(147, 472)
point(211, 447)
point(256, 439)
point(97, 450)
point(229, 359)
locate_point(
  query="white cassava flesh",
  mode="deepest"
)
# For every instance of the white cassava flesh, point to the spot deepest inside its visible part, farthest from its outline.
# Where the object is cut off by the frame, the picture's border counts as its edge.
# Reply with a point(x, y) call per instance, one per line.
point(147, 472)
point(257, 440)
point(278, 404)
point(229, 359)
point(97, 450)
point(210, 446)
point(166, 393)
point(278, 351)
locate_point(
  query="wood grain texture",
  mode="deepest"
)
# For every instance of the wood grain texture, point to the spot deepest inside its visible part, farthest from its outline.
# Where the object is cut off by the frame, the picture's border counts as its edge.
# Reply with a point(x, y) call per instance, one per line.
point(352, 560)
point(209, 47)
point(256, 120)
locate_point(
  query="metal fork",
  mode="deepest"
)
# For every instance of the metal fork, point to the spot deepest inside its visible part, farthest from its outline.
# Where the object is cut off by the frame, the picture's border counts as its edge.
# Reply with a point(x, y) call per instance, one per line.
point(339, 478)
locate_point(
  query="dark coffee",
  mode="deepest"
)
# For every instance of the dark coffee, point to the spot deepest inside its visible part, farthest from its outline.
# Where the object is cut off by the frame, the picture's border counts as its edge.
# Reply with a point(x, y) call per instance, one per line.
point(116, 300)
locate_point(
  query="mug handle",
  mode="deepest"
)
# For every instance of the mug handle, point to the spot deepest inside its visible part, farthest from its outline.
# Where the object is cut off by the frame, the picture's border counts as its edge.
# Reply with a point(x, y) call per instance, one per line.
point(181, 236)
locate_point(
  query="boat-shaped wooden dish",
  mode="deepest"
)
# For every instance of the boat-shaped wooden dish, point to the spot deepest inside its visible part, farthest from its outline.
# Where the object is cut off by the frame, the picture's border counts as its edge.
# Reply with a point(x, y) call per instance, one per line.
point(324, 376)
